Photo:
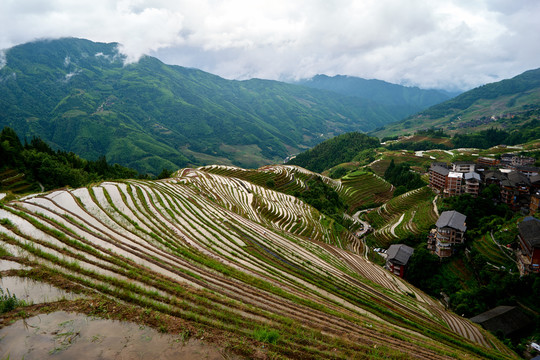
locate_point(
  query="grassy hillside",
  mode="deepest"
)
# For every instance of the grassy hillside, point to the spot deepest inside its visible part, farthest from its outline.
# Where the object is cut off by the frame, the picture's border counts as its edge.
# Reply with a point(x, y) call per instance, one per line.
point(80, 96)
point(250, 268)
point(506, 104)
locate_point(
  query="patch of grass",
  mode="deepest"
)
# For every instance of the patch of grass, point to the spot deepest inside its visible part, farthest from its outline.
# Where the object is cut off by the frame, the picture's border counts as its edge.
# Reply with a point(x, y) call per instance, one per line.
point(9, 302)
point(266, 335)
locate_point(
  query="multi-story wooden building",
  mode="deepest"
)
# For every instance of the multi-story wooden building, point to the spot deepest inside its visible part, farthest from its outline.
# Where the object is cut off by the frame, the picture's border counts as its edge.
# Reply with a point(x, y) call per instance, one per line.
point(529, 242)
point(516, 191)
point(463, 166)
point(453, 184)
point(461, 179)
point(437, 176)
point(535, 203)
point(450, 230)
point(472, 183)
point(487, 161)
point(397, 258)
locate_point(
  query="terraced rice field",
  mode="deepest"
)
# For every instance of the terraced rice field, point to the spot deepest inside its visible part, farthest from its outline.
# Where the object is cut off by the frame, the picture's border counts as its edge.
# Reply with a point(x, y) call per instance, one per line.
point(361, 188)
point(494, 255)
point(409, 213)
point(238, 261)
point(357, 188)
point(15, 182)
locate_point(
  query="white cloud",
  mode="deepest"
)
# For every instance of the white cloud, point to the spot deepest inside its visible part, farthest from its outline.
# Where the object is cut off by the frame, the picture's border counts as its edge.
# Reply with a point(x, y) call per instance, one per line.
point(451, 44)
point(3, 61)
point(71, 74)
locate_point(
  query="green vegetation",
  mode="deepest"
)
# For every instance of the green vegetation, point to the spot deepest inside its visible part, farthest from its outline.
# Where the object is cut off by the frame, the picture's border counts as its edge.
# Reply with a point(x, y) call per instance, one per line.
point(491, 137)
point(401, 100)
point(322, 197)
point(9, 302)
point(23, 168)
point(264, 334)
point(210, 254)
point(506, 105)
point(363, 189)
point(340, 149)
point(402, 178)
point(150, 116)
point(482, 215)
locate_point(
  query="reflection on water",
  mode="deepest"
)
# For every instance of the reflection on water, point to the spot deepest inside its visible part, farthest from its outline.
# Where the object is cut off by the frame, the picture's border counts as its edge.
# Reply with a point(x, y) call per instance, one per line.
point(11, 265)
point(34, 292)
point(62, 335)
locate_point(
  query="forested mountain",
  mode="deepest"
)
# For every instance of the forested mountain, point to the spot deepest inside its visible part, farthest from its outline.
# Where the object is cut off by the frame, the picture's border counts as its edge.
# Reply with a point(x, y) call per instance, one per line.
point(401, 100)
point(80, 96)
point(342, 148)
point(507, 104)
point(34, 166)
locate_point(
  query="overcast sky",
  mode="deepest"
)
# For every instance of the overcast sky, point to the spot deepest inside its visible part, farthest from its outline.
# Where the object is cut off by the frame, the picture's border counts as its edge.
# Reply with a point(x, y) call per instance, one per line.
point(457, 44)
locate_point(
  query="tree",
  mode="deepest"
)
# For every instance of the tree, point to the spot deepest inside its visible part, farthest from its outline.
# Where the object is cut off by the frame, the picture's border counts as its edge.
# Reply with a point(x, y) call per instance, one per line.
point(164, 174)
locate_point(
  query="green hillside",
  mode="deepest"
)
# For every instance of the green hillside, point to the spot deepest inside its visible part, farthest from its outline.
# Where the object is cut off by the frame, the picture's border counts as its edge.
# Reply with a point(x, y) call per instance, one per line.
point(80, 96)
point(401, 100)
point(332, 152)
point(506, 105)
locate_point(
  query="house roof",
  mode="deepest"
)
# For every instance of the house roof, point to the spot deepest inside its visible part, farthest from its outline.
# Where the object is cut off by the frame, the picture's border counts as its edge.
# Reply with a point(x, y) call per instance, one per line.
point(516, 178)
point(455, 174)
point(452, 219)
point(535, 179)
point(399, 254)
point(529, 229)
point(495, 175)
point(440, 170)
point(527, 168)
point(472, 175)
point(507, 319)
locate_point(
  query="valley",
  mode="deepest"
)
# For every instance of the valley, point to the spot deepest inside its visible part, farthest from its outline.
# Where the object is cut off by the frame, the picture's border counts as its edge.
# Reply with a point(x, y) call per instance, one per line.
point(158, 196)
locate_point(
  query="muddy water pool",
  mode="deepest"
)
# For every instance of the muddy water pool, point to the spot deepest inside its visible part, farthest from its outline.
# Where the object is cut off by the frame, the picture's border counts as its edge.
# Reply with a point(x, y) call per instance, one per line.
point(62, 335)
point(33, 292)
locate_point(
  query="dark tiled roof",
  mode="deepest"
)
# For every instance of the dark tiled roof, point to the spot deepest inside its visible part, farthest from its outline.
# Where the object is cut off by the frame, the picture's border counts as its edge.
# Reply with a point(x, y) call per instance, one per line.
point(439, 169)
point(495, 175)
point(527, 168)
point(535, 179)
point(472, 175)
point(507, 319)
point(452, 219)
point(529, 229)
point(516, 177)
point(399, 254)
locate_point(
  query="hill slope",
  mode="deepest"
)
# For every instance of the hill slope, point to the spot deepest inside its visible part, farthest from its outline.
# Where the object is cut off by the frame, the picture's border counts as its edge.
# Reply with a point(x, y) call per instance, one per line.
point(402, 100)
point(80, 96)
point(227, 257)
point(506, 104)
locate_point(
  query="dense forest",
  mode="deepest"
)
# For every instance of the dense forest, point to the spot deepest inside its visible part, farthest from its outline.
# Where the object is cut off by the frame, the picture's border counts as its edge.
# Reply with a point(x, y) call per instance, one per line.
point(402, 177)
point(491, 137)
point(338, 150)
point(53, 169)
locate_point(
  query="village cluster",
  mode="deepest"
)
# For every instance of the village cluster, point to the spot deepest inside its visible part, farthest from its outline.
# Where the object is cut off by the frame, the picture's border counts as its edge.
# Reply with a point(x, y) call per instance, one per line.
point(519, 185)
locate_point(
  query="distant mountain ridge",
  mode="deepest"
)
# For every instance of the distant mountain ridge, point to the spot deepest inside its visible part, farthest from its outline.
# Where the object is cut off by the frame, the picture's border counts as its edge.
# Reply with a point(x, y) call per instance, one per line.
point(402, 100)
point(507, 104)
point(79, 96)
